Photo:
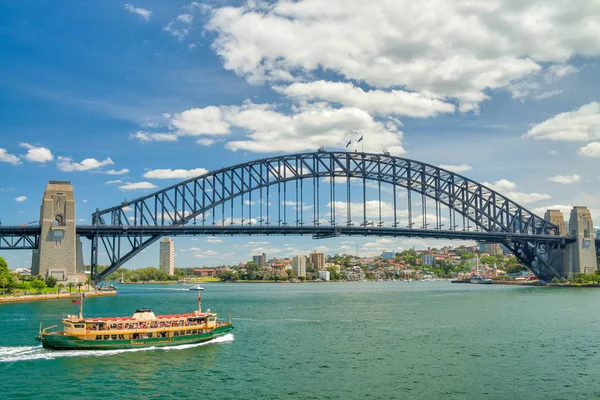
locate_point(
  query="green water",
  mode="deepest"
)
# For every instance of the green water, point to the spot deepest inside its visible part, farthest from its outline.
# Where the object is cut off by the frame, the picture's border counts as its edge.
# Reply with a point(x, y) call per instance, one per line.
point(380, 340)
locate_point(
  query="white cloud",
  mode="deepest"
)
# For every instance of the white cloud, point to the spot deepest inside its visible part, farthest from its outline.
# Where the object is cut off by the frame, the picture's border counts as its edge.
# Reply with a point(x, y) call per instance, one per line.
point(545, 95)
point(374, 101)
point(310, 128)
point(590, 150)
point(81, 220)
point(84, 201)
point(66, 164)
point(214, 240)
point(9, 158)
point(140, 11)
point(154, 137)
point(180, 27)
point(205, 142)
point(114, 182)
point(37, 154)
point(582, 124)
point(200, 121)
point(20, 199)
point(459, 49)
point(565, 179)
point(508, 189)
point(117, 172)
point(138, 185)
point(174, 173)
point(459, 169)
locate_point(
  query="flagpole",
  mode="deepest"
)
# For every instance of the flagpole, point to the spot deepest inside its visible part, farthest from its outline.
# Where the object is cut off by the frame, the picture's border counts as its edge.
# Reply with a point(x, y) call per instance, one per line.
point(80, 306)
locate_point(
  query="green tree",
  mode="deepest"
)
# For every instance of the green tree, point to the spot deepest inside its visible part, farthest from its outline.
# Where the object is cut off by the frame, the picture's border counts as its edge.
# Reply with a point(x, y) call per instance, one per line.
point(227, 276)
point(290, 273)
point(38, 285)
point(79, 285)
point(7, 280)
point(70, 285)
point(88, 282)
point(50, 281)
point(334, 274)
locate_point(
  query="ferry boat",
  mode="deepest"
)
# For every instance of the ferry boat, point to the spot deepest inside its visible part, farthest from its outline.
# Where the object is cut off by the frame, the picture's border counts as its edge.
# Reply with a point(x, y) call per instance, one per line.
point(143, 329)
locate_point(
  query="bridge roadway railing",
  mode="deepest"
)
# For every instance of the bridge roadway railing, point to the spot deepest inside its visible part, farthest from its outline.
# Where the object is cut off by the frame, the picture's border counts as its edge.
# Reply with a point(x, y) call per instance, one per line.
point(315, 231)
point(19, 237)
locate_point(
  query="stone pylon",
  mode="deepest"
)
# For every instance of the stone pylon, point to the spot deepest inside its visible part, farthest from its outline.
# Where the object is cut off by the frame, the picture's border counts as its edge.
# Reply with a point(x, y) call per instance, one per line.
point(556, 256)
point(581, 255)
point(59, 253)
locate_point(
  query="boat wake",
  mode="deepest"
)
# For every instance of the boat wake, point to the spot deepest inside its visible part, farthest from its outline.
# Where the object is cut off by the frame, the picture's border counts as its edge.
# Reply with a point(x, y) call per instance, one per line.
point(30, 353)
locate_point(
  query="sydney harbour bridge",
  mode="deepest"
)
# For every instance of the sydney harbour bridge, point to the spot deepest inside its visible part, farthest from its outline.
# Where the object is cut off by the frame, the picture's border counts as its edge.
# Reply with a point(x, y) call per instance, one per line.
point(322, 194)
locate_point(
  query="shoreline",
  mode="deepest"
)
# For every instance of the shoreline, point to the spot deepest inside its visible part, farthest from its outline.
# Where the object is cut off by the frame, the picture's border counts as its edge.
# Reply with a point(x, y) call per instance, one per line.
point(53, 296)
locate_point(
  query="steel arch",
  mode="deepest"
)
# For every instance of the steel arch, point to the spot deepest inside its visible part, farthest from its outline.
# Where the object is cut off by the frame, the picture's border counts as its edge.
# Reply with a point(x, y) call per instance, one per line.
point(187, 201)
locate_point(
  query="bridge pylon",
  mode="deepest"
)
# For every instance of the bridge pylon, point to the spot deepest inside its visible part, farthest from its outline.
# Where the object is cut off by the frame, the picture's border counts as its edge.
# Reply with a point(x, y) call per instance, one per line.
point(59, 251)
point(556, 256)
point(580, 256)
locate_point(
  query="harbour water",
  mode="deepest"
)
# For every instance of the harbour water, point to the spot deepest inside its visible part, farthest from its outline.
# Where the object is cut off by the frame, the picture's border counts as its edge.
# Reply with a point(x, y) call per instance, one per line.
point(377, 340)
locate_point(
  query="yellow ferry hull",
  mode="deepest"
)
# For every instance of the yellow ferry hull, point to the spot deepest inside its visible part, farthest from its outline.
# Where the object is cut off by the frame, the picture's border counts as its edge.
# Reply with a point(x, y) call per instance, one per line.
point(66, 342)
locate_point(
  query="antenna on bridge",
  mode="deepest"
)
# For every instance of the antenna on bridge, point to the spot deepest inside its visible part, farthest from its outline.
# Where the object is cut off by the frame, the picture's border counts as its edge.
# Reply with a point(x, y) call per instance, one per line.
point(321, 149)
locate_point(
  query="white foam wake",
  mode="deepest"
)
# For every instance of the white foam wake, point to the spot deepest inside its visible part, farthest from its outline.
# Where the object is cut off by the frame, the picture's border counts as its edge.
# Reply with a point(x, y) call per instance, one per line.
point(29, 353)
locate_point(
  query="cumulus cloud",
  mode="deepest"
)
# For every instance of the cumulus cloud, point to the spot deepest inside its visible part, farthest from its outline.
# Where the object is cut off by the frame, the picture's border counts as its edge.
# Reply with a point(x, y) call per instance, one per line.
point(459, 49)
point(114, 182)
point(590, 150)
point(582, 124)
point(138, 186)
point(37, 154)
point(174, 173)
point(139, 11)
point(565, 209)
point(565, 179)
point(200, 121)
point(8, 158)
point(397, 102)
point(508, 189)
point(311, 127)
point(66, 164)
point(153, 137)
point(214, 240)
point(117, 172)
point(20, 199)
point(459, 169)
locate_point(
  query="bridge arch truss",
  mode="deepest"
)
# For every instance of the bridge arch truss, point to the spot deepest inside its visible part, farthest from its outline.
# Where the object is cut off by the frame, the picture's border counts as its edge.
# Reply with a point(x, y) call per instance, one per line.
point(325, 194)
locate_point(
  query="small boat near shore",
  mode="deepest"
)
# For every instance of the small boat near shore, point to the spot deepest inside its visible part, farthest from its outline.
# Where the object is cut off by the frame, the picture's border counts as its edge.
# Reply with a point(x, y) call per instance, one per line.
point(142, 329)
point(196, 287)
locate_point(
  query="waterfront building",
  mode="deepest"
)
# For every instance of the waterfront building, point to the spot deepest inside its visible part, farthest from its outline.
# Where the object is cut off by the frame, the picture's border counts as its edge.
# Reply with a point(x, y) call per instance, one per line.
point(167, 256)
point(261, 260)
point(428, 259)
point(317, 260)
point(388, 255)
point(299, 265)
point(325, 275)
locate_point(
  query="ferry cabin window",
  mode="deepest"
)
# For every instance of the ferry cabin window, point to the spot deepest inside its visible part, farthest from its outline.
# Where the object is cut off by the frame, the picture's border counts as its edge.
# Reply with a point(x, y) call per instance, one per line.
point(78, 325)
point(99, 337)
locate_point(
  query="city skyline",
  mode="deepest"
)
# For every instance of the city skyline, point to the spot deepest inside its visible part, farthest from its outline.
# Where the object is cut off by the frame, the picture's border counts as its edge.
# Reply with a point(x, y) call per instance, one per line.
point(165, 94)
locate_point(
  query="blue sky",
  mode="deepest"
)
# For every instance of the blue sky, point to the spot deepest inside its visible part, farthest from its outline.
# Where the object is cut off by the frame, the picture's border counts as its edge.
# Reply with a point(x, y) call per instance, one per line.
point(94, 92)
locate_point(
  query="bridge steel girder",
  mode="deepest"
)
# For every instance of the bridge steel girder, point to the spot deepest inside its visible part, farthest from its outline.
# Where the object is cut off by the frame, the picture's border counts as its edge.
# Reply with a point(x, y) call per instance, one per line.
point(19, 238)
point(184, 202)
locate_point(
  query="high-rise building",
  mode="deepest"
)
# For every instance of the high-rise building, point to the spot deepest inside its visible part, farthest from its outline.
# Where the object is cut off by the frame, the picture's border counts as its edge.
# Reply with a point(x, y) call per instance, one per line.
point(317, 260)
point(388, 255)
point(493, 249)
point(428, 259)
point(299, 265)
point(260, 260)
point(167, 256)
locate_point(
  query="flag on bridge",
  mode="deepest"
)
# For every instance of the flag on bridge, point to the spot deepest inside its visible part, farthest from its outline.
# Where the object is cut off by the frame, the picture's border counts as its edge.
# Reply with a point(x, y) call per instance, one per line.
point(76, 301)
point(360, 140)
point(349, 143)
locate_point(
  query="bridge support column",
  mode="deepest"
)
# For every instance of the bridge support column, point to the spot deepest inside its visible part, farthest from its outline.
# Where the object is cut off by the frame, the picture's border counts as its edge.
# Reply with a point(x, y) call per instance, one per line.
point(556, 256)
point(581, 255)
point(59, 252)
